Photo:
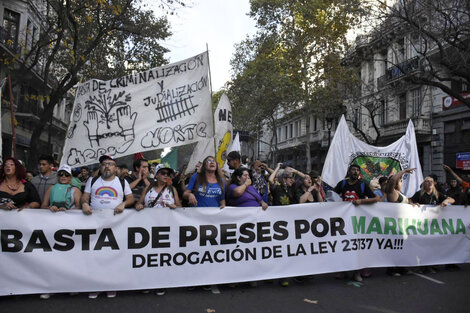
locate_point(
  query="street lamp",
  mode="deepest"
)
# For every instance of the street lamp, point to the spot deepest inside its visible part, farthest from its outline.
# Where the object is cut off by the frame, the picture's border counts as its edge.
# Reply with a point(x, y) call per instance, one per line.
point(329, 124)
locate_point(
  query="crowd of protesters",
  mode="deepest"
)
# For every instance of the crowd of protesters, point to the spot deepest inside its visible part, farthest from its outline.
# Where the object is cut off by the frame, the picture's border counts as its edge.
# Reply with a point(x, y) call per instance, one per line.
point(246, 184)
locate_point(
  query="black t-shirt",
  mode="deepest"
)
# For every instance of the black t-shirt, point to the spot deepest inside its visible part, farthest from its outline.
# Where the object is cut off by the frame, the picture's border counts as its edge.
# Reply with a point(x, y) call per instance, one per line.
point(427, 199)
point(27, 196)
point(281, 195)
point(456, 194)
point(355, 191)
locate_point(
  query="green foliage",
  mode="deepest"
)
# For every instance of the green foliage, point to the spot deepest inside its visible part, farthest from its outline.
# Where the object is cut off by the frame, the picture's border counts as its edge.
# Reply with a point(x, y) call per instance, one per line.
point(294, 60)
point(84, 39)
point(260, 86)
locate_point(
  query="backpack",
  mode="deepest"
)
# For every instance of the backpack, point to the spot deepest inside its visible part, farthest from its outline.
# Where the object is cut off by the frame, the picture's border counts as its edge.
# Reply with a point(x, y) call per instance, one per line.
point(123, 184)
point(344, 182)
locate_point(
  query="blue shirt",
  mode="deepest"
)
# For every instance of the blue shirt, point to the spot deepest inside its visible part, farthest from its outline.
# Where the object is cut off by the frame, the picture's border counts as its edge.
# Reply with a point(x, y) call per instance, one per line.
point(207, 196)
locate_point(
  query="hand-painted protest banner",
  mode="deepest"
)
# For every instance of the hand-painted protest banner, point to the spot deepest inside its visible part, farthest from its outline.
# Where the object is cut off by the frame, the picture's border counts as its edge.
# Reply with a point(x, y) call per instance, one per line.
point(43, 251)
point(163, 107)
point(375, 162)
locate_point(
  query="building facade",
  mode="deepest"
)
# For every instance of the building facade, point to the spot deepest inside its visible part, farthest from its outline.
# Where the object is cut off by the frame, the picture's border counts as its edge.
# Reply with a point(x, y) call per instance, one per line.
point(22, 21)
point(388, 58)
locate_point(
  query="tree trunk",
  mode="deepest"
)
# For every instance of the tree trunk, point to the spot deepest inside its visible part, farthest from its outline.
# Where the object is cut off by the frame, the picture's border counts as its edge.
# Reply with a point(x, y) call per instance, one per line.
point(34, 144)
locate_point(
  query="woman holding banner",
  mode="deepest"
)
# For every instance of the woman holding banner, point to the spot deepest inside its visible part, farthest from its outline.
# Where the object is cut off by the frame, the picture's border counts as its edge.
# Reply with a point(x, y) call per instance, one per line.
point(160, 193)
point(62, 196)
point(306, 191)
point(15, 191)
point(206, 188)
point(241, 193)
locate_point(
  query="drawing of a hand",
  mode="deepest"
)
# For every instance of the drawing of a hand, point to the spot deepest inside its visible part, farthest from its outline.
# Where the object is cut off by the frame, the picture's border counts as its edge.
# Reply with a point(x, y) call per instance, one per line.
point(92, 126)
point(126, 121)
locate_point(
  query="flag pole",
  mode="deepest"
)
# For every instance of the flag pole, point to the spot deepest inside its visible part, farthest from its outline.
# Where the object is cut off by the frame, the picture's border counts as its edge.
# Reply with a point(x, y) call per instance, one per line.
point(213, 111)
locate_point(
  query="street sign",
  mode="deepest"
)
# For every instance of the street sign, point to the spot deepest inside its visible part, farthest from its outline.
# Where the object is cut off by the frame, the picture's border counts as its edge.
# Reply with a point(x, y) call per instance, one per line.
point(463, 160)
point(449, 102)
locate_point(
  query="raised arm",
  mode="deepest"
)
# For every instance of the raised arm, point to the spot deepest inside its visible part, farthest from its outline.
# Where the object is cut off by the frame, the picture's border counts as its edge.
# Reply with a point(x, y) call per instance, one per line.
point(272, 177)
point(457, 177)
point(392, 181)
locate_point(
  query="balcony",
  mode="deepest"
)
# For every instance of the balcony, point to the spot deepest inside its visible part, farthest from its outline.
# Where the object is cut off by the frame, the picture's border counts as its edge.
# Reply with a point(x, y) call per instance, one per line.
point(317, 136)
point(398, 128)
point(396, 72)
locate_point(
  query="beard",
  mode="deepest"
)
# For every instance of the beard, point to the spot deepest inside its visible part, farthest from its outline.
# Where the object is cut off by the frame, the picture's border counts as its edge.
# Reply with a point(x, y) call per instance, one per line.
point(107, 174)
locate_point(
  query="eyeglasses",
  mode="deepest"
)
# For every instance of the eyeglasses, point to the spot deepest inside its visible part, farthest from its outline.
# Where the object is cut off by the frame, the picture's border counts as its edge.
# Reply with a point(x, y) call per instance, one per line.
point(291, 177)
point(60, 174)
point(164, 173)
point(107, 164)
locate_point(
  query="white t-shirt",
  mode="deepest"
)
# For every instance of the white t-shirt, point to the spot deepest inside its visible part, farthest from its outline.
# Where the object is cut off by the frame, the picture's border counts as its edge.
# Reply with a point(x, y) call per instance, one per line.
point(165, 198)
point(106, 194)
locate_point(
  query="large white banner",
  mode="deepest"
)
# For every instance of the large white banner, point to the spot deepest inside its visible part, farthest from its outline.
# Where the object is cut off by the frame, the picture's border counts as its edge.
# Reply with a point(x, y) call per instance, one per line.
point(164, 107)
point(345, 149)
point(43, 251)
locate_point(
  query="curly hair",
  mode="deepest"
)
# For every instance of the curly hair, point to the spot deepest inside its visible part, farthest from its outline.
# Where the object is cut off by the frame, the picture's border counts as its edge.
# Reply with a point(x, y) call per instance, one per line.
point(20, 171)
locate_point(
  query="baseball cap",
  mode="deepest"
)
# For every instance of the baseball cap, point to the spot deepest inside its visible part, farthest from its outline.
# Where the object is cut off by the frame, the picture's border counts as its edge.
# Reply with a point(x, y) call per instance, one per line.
point(106, 157)
point(162, 167)
point(66, 168)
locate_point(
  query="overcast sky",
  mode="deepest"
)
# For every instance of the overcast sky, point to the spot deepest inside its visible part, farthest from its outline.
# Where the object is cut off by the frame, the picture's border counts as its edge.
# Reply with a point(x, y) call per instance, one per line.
point(218, 23)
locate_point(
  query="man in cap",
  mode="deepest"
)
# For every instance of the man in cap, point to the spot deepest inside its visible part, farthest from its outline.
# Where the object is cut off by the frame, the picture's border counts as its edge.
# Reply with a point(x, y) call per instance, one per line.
point(107, 191)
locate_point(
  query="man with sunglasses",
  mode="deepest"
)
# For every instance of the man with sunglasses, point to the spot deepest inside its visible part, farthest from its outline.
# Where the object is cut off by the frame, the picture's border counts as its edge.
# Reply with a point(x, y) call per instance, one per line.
point(107, 191)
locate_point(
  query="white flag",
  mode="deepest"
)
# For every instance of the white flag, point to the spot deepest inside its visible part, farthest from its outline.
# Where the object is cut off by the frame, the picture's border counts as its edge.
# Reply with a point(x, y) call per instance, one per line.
point(166, 106)
point(203, 149)
point(345, 149)
point(223, 128)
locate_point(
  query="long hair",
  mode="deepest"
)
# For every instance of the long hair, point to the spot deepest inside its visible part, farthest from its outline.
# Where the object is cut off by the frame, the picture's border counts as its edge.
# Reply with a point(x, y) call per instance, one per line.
point(201, 176)
point(20, 171)
point(434, 191)
point(237, 174)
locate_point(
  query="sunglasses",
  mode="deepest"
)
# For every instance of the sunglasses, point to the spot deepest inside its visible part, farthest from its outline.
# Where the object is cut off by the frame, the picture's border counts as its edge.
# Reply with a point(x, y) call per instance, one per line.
point(210, 161)
point(60, 174)
point(164, 173)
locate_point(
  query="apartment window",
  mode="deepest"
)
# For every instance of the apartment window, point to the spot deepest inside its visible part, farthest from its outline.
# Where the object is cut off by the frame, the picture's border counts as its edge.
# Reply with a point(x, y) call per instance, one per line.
point(402, 106)
point(279, 134)
point(28, 40)
point(383, 112)
point(458, 86)
point(416, 101)
point(11, 23)
point(371, 72)
point(286, 132)
point(400, 50)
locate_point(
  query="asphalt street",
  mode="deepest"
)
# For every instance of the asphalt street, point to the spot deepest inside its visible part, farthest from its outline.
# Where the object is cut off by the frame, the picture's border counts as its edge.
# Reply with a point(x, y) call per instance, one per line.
point(445, 291)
